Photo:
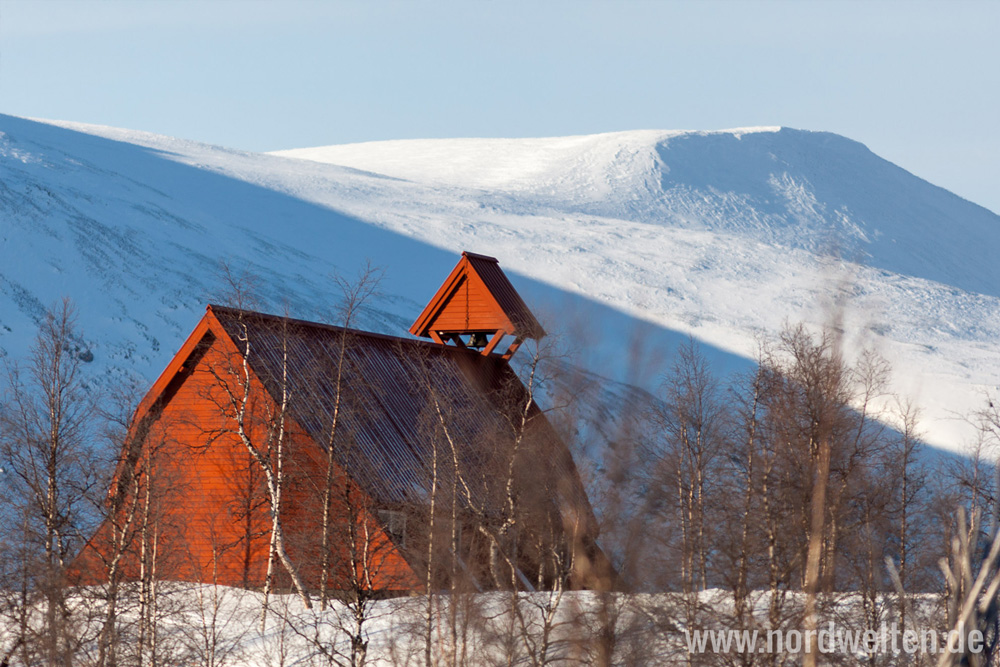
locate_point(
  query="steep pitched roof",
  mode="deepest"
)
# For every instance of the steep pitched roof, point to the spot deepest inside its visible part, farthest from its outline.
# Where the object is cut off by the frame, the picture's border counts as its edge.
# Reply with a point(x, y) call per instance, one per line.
point(403, 398)
point(477, 296)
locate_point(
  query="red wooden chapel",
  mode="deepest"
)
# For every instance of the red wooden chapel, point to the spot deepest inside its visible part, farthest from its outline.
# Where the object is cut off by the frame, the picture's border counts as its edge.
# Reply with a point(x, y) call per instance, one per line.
point(367, 430)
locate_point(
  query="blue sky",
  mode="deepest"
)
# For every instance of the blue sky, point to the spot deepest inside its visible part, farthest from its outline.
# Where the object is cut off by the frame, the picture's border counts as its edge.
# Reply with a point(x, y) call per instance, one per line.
point(918, 82)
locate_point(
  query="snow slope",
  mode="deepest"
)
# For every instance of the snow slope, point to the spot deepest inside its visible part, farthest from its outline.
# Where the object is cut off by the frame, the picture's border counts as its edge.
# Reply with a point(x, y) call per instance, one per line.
point(811, 190)
point(627, 242)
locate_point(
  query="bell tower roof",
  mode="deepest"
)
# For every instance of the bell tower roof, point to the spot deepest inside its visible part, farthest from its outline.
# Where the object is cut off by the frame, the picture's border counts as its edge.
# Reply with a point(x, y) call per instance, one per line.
point(478, 301)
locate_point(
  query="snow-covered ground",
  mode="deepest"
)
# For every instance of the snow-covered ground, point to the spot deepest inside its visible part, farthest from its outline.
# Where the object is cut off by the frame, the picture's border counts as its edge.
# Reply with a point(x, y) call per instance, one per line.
point(203, 624)
point(624, 242)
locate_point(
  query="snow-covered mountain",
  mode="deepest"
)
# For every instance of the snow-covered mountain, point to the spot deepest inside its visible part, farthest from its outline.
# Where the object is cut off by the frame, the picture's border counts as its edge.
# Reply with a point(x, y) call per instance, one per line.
point(625, 242)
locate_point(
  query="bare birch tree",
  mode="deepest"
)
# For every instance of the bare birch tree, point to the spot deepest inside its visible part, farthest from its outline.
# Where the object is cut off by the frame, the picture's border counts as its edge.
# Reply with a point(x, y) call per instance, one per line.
point(45, 445)
point(259, 422)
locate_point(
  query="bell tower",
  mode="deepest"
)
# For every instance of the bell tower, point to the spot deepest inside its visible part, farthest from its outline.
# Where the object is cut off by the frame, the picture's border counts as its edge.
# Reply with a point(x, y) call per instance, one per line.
point(477, 308)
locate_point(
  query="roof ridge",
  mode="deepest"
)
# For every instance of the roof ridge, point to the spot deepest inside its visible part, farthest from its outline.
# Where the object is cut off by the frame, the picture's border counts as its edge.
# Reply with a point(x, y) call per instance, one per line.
point(476, 255)
point(215, 308)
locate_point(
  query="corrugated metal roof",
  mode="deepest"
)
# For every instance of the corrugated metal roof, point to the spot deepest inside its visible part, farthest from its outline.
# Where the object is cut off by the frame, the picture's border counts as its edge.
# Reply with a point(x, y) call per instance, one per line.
point(389, 423)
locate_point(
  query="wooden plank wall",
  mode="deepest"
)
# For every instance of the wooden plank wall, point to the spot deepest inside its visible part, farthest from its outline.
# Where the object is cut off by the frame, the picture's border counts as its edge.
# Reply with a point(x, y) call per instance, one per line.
point(213, 517)
point(470, 308)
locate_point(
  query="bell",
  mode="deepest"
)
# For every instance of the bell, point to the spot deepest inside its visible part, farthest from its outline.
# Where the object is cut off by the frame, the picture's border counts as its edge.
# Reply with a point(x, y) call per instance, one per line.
point(477, 340)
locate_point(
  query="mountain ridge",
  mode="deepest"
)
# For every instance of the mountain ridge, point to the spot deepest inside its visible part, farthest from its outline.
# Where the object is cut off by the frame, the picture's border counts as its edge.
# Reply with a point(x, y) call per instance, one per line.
point(677, 184)
point(698, 234)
